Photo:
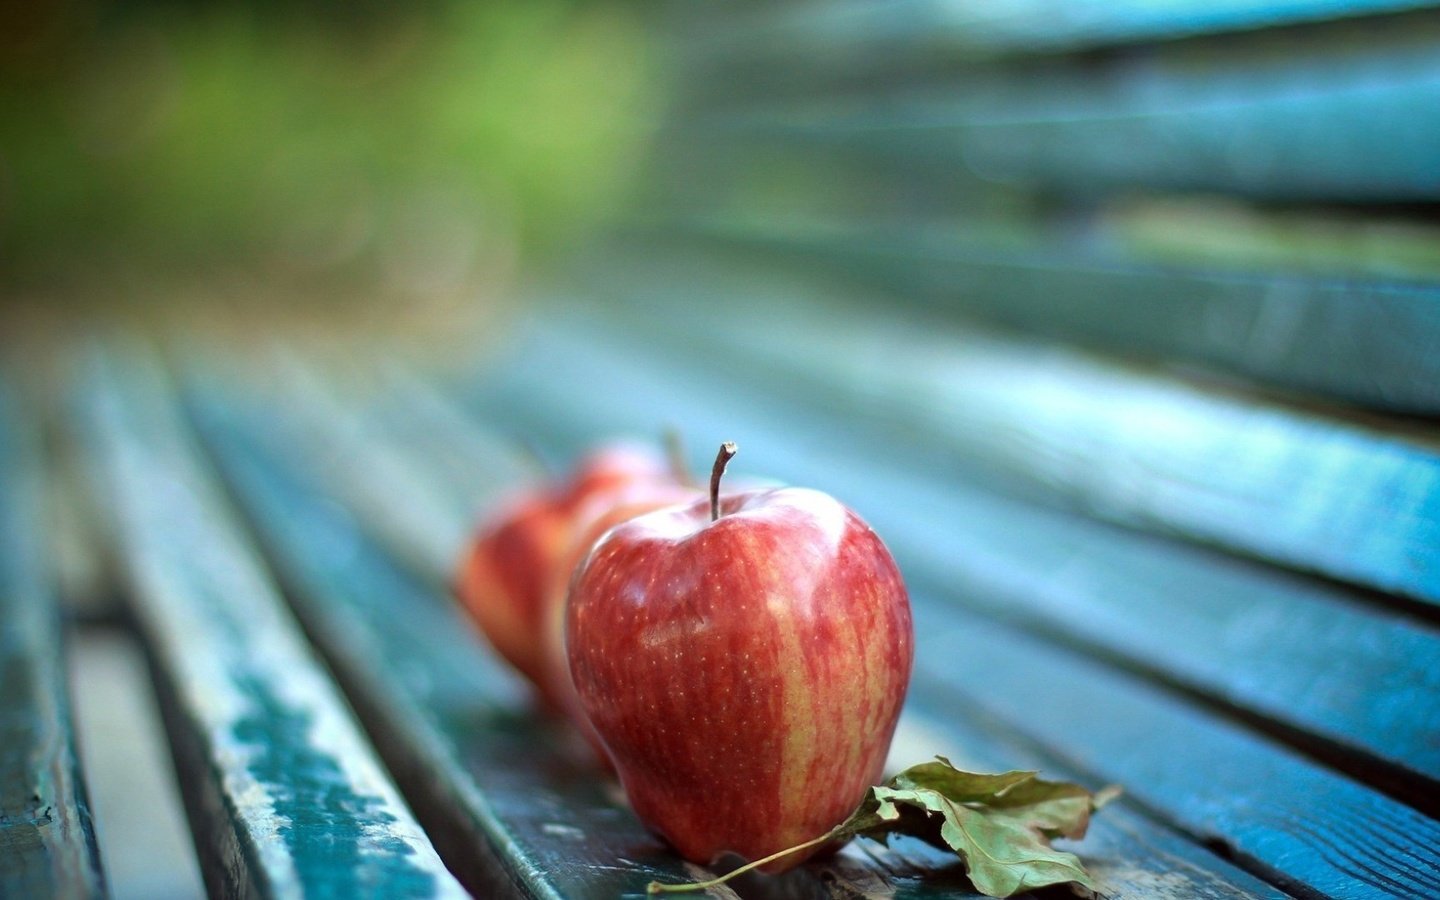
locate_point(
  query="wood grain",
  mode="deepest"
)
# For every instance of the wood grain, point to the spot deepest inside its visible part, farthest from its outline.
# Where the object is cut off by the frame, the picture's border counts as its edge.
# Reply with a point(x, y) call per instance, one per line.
point(283, 792)
point(511, 799)
point(1221, 116)
point(47, 839)
point(859, 32)
point(1346, 334)
point(1353, 500)
point(1133, 856)
point(1315, 657)
point(1294, 822)
point(544, 383)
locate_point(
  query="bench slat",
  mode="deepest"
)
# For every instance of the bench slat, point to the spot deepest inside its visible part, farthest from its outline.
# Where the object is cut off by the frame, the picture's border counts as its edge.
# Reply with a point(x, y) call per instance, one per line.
point(1294, 822)
point(1184, 792)
point(476, 463)
point(1358, 500)
point(1226, 117)
point(514, 808)
point(429, 528)
point(1173, 772)
point(284, 793)
point(1128, 852)
point(1347, 335)
point(47, 839)
point(1288, 648)
point(860, 32)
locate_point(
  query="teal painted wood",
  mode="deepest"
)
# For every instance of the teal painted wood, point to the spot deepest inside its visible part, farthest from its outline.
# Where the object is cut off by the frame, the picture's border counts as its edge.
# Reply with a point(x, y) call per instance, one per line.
point(1229, 117)
point(851, 30)
point(1288, 819)
point(1291, 821)
point(420, 472)
point(1130, 854)
point(1132, 857)
point(518, 811)
point(285, 796)
point(431, 525)
point(47, 839)
point(1355, 500)
point(1355, 338)
point(1292, 650)
point(477, 463)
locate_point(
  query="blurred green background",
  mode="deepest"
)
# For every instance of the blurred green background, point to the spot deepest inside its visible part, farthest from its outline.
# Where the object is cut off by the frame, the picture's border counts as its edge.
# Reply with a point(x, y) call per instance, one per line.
point(300, 155)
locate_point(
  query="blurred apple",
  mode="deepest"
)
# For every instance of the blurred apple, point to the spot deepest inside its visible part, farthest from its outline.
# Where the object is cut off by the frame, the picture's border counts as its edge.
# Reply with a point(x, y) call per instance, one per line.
point(597, 517)
point(506, 579)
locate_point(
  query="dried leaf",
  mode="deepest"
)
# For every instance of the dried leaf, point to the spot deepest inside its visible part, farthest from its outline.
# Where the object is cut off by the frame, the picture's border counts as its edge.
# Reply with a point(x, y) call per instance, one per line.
point(1000, 825)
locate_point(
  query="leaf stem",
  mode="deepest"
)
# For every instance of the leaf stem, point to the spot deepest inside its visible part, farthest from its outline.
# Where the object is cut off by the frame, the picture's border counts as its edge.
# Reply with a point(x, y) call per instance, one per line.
point(722, 459)
point(656, 887)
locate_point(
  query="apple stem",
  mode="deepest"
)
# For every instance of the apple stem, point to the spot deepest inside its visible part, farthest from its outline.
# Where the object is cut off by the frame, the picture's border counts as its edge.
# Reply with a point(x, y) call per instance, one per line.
point(722, 459)
point(656, 887)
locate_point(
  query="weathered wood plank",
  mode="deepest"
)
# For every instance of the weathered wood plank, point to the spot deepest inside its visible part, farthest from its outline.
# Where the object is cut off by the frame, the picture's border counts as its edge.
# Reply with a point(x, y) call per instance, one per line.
point(145, 842)
point(835, 31)
point(478, 463)
point(1287, 819)
point(1215, 116)
point(1130, 854)
point(1265, 785)
point(1132, 857)
point(47, 840)
point(513, 805)
point(1350, 335)
point(286, 797)
point(432, 523)
point(1354, 499)
point(1300, 652)
point(381, 417)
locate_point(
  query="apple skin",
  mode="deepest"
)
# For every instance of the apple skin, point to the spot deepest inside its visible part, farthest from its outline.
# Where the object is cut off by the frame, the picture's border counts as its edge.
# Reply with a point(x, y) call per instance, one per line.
point(596, 517)
point(505, 579)
point(745, 674)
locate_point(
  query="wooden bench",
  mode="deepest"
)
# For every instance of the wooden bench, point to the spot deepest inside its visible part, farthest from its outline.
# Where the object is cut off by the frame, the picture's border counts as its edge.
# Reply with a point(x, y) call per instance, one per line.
point(47, 840)
point(1121, 326)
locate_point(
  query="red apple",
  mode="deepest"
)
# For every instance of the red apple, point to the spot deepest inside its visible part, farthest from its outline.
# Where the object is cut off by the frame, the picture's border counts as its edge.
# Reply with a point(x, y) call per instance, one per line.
point(744, 662)
point(505, 579)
